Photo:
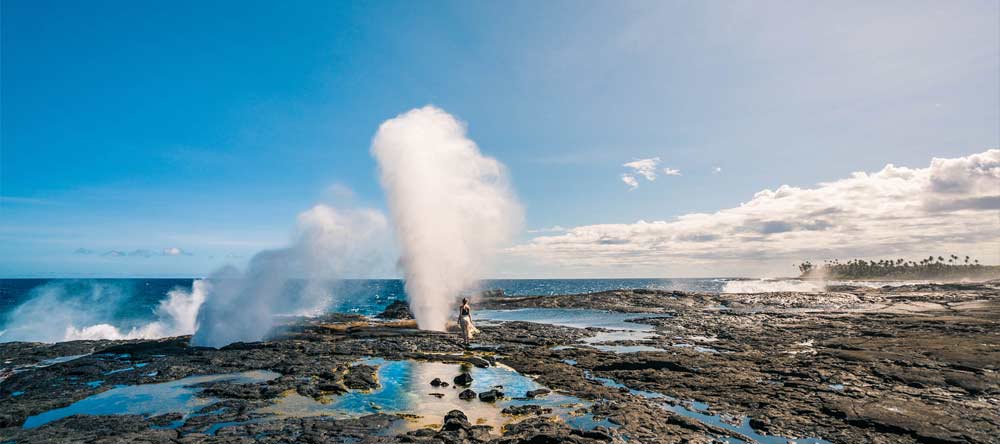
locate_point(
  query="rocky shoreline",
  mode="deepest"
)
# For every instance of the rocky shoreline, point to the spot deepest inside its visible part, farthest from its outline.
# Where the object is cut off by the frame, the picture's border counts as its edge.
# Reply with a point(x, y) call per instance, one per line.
point(902, 364)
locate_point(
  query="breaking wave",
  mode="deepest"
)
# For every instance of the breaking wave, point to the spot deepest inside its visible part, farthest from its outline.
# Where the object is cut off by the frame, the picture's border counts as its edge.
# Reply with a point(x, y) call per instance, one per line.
point(62, 312)
point(772, 286)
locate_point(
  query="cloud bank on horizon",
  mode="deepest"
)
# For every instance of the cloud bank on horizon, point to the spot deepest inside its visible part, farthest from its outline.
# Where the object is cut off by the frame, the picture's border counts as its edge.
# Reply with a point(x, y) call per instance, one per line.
point(951, 206)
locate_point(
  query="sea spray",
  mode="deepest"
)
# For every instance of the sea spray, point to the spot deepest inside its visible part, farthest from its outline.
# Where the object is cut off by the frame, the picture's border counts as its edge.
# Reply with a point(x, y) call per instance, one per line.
point(329, 244)
point(451, 207)
point(74, 310)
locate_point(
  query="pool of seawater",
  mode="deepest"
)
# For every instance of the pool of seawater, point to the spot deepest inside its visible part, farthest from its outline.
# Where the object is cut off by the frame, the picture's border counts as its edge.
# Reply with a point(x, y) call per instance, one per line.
point(627, 348)
point(570, 317)
point(620, 325)
point(405, 388)
point(148, 399)
point(699, 412)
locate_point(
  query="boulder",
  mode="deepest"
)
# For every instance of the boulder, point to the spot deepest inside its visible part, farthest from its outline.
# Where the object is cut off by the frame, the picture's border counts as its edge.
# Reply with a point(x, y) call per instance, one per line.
point(463, 379)
point(455, 420)
point(537, 393)
point(397, 310)
point(490, 395)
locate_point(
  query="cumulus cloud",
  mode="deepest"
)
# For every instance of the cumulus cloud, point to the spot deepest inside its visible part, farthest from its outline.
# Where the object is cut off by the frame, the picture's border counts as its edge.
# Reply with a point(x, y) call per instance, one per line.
point(949, 207)
point(644, 167)
point(630, 181)
point(175, 251)
point(671, 172)
point(552, 229)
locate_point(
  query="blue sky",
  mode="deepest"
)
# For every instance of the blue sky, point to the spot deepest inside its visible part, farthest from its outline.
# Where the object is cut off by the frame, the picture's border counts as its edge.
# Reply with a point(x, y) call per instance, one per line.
point(208, 126)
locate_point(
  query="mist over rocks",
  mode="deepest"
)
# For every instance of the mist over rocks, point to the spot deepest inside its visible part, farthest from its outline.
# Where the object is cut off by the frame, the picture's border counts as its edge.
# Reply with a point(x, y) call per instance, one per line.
point(329, 244)
point(451, 207)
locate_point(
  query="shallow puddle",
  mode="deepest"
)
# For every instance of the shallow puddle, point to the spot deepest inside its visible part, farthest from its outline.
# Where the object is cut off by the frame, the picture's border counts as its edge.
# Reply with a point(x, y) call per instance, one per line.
point(699, 412)
point(148, 399)
point(626, 348)
point(621, 325)
point(405, 388)
point(570, 317)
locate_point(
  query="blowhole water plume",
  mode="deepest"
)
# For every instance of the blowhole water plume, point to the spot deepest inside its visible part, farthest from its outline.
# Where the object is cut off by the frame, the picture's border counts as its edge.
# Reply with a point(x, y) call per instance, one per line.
point(451, 207)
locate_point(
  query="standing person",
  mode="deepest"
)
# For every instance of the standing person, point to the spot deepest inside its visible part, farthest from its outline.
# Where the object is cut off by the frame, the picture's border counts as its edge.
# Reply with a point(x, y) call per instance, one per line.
point(465, 321)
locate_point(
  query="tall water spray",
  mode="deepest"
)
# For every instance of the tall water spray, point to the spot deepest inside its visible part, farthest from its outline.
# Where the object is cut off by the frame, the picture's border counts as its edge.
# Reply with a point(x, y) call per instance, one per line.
point(451, 206)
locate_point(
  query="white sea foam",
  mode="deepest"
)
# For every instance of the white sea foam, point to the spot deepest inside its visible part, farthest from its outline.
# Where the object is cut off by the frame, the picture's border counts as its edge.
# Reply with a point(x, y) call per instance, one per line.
point(772, 285)
point(55, 314)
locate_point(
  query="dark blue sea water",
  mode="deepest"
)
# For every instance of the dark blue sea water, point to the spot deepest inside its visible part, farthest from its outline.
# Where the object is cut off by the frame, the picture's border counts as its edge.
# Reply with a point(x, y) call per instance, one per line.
point(52, 310)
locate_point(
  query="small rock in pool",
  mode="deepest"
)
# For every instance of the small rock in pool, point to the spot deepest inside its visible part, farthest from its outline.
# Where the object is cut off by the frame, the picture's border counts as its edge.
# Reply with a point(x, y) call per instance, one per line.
point(490, 395)
point(467, 394)
point(539, 392)
point(463, 379)
point(436, 382)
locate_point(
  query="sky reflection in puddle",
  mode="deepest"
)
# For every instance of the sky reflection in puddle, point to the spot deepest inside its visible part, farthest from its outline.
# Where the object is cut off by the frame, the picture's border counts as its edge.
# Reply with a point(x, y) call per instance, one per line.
point(570, 317)
point(148, 399)
point(699, 411)
point(619, 324)
point(405, 388)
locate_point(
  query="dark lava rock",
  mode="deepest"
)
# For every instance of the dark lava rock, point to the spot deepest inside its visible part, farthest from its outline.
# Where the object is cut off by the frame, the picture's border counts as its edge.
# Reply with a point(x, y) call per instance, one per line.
point(493, 293)
point(463, 379)
point(523, 410)
point(457, 429)
point(436, 382)
point(467, 394)
point(437, 395)
point(456, 420)
point(361, 377)
point(536, 393)
point(397, 310)
point(490, 395)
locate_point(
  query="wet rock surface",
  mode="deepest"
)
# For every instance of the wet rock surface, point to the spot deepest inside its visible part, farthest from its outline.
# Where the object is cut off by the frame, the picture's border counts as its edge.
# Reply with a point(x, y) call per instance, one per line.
point(906, 364)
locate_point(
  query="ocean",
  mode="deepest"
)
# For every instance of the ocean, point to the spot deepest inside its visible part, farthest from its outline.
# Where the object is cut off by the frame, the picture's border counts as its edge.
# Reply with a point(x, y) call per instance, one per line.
point(54, 310)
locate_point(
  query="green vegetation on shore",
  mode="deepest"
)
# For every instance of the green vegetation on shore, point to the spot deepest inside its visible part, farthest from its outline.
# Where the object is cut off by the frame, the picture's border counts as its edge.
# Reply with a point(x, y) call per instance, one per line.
point(940, 267)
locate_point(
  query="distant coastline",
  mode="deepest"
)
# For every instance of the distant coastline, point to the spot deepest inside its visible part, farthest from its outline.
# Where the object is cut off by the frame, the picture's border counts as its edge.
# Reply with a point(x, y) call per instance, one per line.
point(937, 268)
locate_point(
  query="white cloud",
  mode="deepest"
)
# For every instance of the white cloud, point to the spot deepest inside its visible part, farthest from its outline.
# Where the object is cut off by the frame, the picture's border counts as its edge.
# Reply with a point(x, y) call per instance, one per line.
point(644, 167)
point(949, 207)
point(173, 251)
point(716, 170)
point(671, 172)
point(552, 229)
point(630, 181)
